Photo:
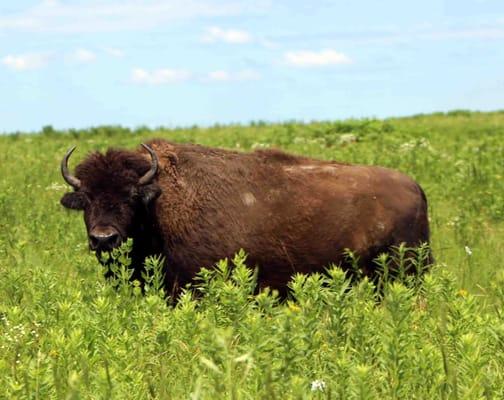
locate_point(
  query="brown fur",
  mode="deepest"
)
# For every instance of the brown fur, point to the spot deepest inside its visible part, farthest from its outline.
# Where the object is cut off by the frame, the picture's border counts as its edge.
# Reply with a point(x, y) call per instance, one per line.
point(290, 214)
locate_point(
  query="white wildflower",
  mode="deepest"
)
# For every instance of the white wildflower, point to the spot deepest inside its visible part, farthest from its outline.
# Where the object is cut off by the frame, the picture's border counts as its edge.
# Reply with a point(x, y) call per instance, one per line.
point(421, 143)
point(56, 186)
point(405, 147)
point(258, 145)
point(318, 385)
point(468, 250)
point(345, 139)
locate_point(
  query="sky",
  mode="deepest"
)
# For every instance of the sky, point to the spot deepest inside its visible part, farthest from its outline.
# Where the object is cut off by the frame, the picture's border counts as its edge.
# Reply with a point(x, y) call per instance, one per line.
point(76, 63)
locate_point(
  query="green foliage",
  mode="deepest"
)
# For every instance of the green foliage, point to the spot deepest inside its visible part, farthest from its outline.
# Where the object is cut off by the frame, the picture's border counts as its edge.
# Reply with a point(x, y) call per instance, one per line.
point(67, 332)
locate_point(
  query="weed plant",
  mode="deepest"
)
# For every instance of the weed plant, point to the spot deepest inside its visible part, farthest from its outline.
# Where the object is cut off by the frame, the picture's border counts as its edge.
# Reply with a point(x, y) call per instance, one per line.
point(67, 332)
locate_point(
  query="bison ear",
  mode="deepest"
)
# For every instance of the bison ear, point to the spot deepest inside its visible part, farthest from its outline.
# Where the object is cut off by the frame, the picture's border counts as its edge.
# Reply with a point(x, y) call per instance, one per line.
point(149, 193)
point(74, 200)
point(172, 157)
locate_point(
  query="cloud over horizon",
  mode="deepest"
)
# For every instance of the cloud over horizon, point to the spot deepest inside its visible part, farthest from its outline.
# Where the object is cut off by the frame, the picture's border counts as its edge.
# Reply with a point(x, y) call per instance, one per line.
point(114, 52)
point(227, 76)
point(128, 15)
point(233, 36)
point(163, 76)
point(159, 76)
point(310, 58)
point(83, 56)
point(27, 61)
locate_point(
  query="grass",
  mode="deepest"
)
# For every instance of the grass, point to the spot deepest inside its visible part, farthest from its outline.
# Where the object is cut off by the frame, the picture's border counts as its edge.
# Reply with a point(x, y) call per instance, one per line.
point(66, 333)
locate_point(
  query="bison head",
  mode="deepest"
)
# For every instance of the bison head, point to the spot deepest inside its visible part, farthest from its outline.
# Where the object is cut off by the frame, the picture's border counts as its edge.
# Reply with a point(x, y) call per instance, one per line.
point(115, 191)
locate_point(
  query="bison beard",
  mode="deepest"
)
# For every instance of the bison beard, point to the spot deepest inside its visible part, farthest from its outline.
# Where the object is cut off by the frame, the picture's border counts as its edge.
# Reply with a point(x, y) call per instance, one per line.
point(196, 205)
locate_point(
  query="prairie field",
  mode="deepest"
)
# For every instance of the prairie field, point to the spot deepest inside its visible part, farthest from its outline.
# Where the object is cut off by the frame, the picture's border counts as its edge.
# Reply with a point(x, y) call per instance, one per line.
point(67, 333)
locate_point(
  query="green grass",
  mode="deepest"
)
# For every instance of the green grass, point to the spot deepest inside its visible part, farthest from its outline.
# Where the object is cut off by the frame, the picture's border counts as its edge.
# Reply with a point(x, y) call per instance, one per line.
point(66, 333)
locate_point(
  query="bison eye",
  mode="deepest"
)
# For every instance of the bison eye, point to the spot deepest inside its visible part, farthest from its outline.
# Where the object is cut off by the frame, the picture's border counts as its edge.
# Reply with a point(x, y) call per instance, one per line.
point(149, 193)
point(74, 200)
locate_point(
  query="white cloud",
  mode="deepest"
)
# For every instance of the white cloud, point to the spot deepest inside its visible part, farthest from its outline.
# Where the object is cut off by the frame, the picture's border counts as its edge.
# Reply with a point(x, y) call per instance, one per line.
point(219, 75)
point(114, 52)
point(234, 36)
point(489, 33)
point(22, 62)
point(163, 76)
point(50, 3)
point(249, 75)
point(83, 56)
point(396, 35)
point(322, 58)
point(269, 44)
point(159, 76)
point(127, 15)
point(226, 76)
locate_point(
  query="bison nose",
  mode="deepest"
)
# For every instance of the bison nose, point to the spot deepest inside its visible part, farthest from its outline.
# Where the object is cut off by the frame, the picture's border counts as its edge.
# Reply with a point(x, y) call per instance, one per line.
point(104, 240)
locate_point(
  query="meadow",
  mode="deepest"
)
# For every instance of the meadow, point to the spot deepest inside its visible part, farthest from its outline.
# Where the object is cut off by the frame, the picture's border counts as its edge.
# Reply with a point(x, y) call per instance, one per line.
point(67, 333)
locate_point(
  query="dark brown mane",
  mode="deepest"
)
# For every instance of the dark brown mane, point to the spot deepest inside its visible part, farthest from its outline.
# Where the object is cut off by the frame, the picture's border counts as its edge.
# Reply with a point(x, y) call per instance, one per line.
point(114, 168)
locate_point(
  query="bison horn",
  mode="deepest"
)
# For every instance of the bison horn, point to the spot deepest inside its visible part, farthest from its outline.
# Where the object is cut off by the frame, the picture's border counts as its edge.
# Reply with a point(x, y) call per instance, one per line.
point(154, 167)
point(70, 179)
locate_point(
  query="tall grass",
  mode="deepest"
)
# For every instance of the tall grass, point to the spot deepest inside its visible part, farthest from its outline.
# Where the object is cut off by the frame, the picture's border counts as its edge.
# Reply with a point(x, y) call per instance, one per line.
point(65, 332)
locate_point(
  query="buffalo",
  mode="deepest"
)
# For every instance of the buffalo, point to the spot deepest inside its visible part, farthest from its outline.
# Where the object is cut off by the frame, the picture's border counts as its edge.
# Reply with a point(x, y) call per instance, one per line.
point(195, 205)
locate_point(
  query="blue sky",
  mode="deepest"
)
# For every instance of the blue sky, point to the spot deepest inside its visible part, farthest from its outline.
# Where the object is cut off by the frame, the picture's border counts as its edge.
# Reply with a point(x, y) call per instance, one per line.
point(82, 63)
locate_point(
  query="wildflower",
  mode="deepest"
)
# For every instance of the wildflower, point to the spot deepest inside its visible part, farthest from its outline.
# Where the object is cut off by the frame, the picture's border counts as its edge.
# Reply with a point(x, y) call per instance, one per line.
point(421, 143)
point(455, 221)
point(348, 138)
point(53, 353)
point(468, 250)
point(318, 385)
point(405, 147)
point(56, 186)
point(259, 145)
point(294, 307)
point(462, 293)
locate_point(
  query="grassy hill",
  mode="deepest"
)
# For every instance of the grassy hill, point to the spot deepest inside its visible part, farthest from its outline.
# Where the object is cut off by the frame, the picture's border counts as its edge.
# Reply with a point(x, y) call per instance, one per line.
point(65, 333)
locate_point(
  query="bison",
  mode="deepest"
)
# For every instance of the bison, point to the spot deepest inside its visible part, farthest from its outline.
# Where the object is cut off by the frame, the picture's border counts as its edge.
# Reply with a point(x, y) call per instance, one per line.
point(196, 205)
